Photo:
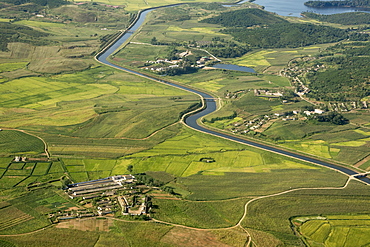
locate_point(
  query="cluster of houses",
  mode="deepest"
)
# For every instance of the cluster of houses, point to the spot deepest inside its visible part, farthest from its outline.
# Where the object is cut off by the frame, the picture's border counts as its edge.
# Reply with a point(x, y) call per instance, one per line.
point(20, 159)
point(293, 72)
point(105, 196)
point(260, 123)
point(267, 93)
point(161, 64)
point(234, 95)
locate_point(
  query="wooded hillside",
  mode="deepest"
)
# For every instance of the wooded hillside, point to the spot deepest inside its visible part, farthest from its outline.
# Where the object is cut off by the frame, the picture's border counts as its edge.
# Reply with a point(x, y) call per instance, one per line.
point(346, 76)
point(244, 18)
point(291, 35)
point(346, 3)
point(350, 18)
point(18, 33)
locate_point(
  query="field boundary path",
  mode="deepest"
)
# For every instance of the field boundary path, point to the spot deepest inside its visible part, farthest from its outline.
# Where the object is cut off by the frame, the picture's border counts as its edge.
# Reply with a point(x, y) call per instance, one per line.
point(45, 144)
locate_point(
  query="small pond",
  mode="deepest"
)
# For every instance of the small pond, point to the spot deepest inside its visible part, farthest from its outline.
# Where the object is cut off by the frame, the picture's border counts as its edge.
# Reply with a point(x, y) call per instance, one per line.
point(234, 67)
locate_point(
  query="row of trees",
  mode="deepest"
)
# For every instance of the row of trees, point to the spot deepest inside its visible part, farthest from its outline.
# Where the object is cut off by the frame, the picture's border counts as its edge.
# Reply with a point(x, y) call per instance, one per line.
point(214, 119)
point(345, 3)
point(350, 18)
point(332, 117)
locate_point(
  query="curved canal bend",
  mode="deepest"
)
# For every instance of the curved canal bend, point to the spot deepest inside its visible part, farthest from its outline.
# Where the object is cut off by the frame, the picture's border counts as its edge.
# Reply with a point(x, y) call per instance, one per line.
point(210, 104)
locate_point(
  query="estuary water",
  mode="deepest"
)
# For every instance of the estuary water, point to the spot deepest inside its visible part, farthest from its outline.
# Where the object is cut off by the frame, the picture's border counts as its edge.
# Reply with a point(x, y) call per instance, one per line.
point(296, 7)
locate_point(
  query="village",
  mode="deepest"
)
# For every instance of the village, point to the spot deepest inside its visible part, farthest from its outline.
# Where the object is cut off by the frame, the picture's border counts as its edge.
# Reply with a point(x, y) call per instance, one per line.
point(261, 123)
point(111, 196)
point(162, 65)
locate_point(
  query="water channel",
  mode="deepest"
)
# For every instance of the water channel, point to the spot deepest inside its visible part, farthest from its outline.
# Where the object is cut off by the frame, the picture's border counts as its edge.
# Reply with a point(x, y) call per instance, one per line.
point(210, 106)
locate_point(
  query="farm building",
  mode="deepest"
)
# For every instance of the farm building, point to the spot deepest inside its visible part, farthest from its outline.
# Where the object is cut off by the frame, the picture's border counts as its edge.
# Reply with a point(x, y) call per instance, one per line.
point(89, 189)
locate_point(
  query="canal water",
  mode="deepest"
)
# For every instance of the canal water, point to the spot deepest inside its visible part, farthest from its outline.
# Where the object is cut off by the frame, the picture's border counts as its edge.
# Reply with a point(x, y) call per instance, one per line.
point(210, 106)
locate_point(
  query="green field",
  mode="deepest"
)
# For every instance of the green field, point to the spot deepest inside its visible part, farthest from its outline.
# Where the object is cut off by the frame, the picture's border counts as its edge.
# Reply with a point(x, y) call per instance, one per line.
point(21, 174)
point(331, 230)
point(27, 213)
point(19, 143)
point(200, 214)
point(270, 214)
point(131, 234)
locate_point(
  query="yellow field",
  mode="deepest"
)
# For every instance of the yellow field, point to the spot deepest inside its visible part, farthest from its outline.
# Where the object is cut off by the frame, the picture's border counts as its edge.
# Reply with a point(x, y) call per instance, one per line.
point(25, 92)
point(362, 132)
point(207, 30)
point(134, 5)
point(357, 143)
point(254, 59)
point(257, 169)
point(212, 85)
point(319, 147)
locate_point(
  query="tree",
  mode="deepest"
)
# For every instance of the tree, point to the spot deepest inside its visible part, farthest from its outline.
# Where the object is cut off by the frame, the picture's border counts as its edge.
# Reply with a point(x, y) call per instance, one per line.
point(154, 41)
point(130, 168)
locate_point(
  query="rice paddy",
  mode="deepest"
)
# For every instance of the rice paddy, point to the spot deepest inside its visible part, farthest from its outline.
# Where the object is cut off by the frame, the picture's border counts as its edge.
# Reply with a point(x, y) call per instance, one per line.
point(337, 230)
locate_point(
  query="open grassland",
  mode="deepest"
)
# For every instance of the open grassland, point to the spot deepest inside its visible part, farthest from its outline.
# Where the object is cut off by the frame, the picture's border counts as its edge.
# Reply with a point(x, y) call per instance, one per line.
point(55, 237)
point(49, 59)
point(36, 93)
point(91, 104)
point(237, 184)
point(345, 143)
point(65, 146)
point(270, 214)
point(5, 67)
point(337, 230)
point(131, 234)
point(260, 105)
point(16, 142)
point(220, 82)
point(188, 142)
point(71, 32)
point(272, 61)
point(134, 5)
point(216, 214)
point(246, 161)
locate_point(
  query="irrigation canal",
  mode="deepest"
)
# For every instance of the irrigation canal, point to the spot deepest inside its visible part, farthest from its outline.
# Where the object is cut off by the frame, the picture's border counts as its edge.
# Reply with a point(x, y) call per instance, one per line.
point(210, 104)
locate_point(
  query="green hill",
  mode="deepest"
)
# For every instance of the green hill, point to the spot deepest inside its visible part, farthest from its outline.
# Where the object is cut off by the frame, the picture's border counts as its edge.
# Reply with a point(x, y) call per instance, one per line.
point(244, 18)
point(50, 3)
point(18, 33)
point(292, 35)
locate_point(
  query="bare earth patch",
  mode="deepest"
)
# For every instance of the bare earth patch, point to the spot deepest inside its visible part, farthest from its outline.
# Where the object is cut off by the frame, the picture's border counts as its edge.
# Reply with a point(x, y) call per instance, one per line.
point(91, 224)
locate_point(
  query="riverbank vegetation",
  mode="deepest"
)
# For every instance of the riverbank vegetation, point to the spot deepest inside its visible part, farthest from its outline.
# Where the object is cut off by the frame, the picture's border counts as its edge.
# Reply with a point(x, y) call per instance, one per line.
point(350, 18)
point(343, 4)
